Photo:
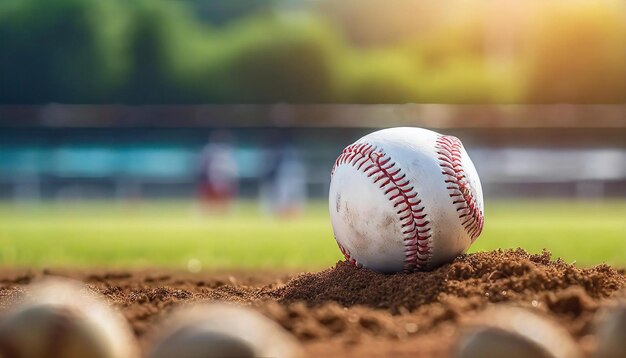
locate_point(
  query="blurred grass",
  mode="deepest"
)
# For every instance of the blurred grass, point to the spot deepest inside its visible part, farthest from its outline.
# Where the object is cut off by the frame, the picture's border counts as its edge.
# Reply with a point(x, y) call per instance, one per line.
point(178, 234)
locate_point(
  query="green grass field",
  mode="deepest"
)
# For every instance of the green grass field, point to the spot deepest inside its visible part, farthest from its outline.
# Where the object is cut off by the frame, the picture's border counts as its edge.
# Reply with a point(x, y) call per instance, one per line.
point(178, 235)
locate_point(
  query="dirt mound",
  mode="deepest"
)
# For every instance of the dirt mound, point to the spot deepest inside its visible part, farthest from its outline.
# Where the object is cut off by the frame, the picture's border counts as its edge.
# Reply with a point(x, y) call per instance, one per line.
point(344, 310)
point(497, 276)
point(429, 307)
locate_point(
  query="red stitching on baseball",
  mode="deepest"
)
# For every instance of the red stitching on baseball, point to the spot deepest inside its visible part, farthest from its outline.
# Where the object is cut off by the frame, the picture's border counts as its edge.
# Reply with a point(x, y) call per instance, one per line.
point(449, 155)
point(398, 191)
point(347, 256)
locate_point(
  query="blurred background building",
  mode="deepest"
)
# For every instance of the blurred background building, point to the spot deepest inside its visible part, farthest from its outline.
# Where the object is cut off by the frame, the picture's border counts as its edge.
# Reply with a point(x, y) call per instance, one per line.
point(133, 153)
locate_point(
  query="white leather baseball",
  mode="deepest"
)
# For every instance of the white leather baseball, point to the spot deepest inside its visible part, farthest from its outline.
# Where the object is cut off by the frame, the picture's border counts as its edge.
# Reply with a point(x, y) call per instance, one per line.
point(222, 330)
point(405, 199)
point(63, 318)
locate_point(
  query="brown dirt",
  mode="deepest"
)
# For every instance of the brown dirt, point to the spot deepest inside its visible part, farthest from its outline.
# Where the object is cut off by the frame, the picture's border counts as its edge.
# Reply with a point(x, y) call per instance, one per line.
point(347, 310)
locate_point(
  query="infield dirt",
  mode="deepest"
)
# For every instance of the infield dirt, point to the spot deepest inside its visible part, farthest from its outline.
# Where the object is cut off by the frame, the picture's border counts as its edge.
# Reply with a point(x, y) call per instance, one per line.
point(345, 310)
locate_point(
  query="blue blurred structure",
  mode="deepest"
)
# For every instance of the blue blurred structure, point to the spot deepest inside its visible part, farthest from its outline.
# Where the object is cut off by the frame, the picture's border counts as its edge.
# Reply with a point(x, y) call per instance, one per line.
point(129, 159)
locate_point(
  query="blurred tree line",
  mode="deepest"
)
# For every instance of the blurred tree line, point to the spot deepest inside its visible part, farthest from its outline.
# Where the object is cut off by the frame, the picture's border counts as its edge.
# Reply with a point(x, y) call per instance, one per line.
point(351, 51)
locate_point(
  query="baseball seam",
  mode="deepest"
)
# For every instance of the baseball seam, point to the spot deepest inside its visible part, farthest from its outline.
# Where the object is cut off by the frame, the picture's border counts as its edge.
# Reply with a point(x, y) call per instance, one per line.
point(450, 160)
point(416, 231)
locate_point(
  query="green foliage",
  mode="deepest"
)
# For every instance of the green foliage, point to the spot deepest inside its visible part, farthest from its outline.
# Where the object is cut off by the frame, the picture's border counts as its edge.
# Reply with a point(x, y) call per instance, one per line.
point(222, 12)
point(162, 38)
point(461, 81)
point(71, 50)
point(271, 60)
point(379, 77)
point(264, 59)
point(171, 234)
point(158, 51)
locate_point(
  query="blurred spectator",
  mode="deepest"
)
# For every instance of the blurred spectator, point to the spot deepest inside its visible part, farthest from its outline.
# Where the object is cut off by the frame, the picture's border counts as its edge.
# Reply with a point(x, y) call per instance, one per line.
point(218, 174)
point(283, 183)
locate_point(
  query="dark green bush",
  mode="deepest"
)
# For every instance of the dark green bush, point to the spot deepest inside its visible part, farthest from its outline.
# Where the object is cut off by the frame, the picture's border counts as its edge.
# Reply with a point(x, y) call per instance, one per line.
point(61, 51)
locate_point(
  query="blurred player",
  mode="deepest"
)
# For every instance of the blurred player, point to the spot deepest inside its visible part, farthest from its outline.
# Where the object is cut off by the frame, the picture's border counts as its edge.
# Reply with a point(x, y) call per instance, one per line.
point(218, 173)
point(283, 184)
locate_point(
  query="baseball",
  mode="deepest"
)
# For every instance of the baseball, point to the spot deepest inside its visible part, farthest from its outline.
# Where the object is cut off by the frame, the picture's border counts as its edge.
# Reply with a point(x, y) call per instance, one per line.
point(220, 330)
point(61, 319)
point(612, 333)
point(405, 199)
point(515, 333)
